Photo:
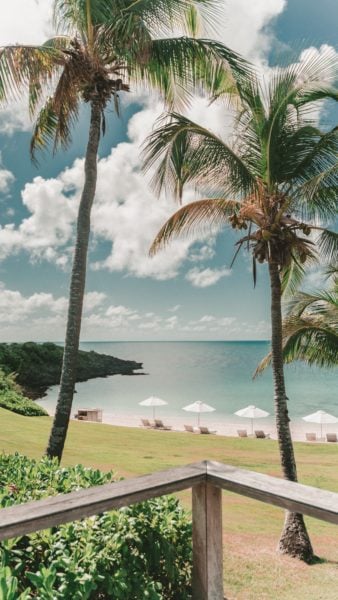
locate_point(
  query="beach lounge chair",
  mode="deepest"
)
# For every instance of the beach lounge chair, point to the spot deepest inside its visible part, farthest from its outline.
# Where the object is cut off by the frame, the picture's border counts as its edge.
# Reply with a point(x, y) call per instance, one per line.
point(146, 423)
point(331, 437)
point(160, 425)
point(206, 430)
point(310, 437)
point(189, 428)
point(242, 433)
point(261, 435)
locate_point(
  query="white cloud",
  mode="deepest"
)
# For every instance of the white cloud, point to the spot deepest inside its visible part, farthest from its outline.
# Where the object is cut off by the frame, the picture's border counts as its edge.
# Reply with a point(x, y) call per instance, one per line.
point(25, 22)
point(174, 308)
point(171, 322)
point(119, 310)
point(127, 214)
point(44, 316)
point(50, 226)
point(205, 277)
point(246, 26)
point(93, 300)
point(204, 252)
point(207, 319)
point(6, 180)
point(15, 307)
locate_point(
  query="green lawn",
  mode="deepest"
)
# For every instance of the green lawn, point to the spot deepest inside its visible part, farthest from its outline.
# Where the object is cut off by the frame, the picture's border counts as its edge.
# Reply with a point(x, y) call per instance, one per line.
point(253, 571)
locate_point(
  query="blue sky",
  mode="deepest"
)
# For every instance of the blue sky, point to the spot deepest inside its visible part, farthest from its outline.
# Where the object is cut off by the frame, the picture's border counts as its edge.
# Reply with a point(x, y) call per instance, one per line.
point(188, 292)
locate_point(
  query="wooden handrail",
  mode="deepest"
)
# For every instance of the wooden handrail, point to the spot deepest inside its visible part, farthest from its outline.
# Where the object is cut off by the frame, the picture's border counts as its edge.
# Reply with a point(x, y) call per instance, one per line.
point(295, 497)
point(41, 514)
point(206, 479)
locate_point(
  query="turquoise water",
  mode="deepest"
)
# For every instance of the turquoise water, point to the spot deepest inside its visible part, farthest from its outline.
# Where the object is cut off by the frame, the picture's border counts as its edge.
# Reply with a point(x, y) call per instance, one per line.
point(218, 373)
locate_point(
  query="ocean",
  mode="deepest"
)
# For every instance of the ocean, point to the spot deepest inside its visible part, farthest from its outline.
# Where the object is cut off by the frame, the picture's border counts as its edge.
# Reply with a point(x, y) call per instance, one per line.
point(218, 373)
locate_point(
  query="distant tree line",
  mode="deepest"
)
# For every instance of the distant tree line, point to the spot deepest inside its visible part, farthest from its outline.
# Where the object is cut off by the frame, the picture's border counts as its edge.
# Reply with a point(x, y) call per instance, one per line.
point(38, 366)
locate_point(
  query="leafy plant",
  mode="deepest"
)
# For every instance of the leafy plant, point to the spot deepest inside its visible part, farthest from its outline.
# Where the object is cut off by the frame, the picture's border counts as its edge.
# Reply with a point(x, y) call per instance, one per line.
point(142, 551)
point(12, 399)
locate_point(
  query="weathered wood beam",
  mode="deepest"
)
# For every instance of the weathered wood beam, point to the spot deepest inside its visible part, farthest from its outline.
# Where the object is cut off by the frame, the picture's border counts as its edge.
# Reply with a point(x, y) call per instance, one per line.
point(295, 497)
point(207, 574)
point(33, 516)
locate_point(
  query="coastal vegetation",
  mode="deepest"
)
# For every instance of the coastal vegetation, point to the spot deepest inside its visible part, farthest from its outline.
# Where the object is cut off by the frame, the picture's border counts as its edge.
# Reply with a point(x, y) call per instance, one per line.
point(103, 48)
point(12, 398)
point(310, 328)
point(251, 529)
point(143, 551)
point(38, 366)
point(271, 182)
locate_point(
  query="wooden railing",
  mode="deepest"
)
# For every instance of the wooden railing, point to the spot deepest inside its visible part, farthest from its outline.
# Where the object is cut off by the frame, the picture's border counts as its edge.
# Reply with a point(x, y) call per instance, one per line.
point(207, 479)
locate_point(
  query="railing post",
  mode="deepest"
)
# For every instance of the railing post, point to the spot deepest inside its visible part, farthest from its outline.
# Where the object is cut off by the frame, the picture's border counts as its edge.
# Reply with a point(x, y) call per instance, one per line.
point(207, 583)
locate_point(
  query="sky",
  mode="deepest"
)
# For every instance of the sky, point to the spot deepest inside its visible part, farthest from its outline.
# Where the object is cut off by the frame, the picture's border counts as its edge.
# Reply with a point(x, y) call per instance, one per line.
point(188, 291)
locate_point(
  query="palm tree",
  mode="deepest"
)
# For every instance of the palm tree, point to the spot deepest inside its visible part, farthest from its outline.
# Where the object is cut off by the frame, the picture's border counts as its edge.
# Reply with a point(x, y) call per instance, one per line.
point(272, 181)
point(310, 328)
point(104, 48)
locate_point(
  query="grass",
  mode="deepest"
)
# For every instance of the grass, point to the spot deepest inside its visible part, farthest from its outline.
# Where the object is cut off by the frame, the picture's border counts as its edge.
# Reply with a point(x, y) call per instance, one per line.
point(253, 571)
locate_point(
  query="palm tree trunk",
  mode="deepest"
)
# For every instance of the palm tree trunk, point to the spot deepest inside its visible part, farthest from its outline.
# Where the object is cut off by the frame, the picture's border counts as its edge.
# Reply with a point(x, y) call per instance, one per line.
point(294, 539)
point(77, 287)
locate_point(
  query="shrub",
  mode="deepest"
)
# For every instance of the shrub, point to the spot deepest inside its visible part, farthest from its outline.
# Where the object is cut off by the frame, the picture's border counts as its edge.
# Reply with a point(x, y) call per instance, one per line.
point(12, 399)
point(136, 553)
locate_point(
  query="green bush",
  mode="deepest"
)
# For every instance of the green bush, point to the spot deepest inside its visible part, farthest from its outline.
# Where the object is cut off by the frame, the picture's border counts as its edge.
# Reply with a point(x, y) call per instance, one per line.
point(136, 553)
point(12, 399)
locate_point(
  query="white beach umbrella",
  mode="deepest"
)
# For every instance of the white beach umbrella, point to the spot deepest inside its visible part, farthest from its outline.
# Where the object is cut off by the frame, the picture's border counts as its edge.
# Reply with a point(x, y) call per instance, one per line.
point(252, 412)
point(153, 401)
point(322, 418)
point(199, 407)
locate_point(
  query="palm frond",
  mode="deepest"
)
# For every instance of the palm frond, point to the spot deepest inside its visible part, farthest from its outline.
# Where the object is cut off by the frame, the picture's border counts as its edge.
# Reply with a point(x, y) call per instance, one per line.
point(24, 65)
point(310, 330)
point(308, 341)
point(177, 66)
point(292, 93)
point(44, 130)
point(37, 85)
point(78, 16)
point(312, 341)
point(291, 278)
point(310, 96)
point(162, 16)
point(207, 159)
point(264, 363)
point(328, 244)
point(332, 271)
point(57, 117)
point(193, 24)
point(314, 178)
point(195, 218)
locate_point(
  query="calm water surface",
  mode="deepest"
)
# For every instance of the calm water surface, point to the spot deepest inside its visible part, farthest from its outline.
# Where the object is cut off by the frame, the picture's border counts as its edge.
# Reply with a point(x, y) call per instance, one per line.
point(218, 373)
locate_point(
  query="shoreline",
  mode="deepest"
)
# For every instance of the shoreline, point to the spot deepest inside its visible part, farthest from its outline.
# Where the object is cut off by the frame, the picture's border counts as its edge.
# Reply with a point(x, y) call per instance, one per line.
point(224, 426)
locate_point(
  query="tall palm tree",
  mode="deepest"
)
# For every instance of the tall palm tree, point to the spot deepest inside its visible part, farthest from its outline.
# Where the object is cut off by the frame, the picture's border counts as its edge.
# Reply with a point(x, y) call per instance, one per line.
point(104, 48)
point(271, 181)
point(310, 328)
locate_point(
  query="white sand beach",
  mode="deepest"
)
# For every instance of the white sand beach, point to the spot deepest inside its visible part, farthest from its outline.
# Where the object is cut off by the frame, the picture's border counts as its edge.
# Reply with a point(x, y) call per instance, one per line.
point(222, 427)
